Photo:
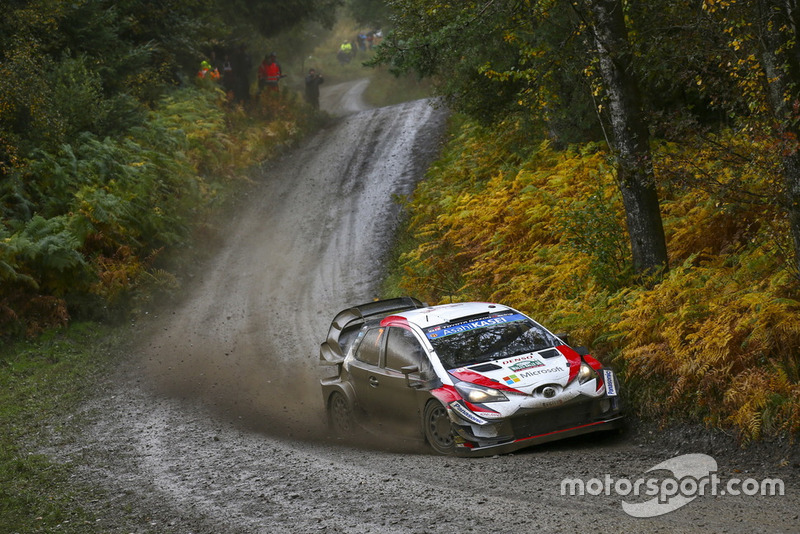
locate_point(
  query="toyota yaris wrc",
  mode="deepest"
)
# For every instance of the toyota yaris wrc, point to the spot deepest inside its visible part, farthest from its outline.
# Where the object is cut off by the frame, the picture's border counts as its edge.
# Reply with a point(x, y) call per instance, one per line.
point(471, 378)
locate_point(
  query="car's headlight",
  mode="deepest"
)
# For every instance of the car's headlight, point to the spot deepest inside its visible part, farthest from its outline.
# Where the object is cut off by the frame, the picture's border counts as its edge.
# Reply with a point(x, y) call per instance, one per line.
point(586, 373)
point(479, 394)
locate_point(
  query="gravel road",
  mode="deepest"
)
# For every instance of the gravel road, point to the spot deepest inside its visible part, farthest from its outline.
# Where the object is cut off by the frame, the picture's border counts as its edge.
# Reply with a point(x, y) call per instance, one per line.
point(216, 424)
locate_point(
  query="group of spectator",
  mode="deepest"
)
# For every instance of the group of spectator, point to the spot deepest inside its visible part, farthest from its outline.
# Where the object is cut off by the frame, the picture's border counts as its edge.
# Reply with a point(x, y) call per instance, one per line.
point(362, 42)
point(233, 74)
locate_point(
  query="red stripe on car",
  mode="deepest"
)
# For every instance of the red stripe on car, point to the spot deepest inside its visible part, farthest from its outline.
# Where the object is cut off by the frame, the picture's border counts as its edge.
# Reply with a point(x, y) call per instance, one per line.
point(396, 320)
point(446, 394)
point(475, 378)
point(597, 366)
point(573, 358)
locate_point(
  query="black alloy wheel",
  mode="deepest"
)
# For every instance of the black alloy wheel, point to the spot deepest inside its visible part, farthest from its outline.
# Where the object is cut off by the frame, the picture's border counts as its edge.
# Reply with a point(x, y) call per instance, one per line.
point(438, 428)
point(340, 415)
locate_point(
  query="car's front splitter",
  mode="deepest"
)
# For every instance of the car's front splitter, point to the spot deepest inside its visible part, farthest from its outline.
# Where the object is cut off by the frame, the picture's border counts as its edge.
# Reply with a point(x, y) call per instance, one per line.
point(472, 450)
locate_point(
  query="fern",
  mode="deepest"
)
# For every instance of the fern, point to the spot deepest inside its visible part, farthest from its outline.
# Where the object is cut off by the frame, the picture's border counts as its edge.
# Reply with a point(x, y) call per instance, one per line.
point(716, 341)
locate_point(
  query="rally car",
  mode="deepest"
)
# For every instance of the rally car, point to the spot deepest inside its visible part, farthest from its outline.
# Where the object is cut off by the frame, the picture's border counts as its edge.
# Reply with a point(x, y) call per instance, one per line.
point(470, 378)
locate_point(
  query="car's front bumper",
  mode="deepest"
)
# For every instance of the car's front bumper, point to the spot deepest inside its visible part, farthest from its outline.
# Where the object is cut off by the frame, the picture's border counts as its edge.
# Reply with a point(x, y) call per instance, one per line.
point(536, 427)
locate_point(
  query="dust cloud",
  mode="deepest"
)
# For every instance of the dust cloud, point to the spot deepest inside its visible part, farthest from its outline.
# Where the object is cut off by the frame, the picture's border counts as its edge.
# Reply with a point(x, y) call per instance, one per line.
point(309, 240)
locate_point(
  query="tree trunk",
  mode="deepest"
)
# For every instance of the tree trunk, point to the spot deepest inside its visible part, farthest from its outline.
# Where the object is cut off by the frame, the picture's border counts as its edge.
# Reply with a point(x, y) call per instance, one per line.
point(780, 59)
point(631, 137)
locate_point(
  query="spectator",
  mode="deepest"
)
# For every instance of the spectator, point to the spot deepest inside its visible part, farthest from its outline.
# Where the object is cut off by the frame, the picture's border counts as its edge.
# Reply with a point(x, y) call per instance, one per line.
point(228, 77)
point(345, 53)
point(313, 81)
point(269, 73)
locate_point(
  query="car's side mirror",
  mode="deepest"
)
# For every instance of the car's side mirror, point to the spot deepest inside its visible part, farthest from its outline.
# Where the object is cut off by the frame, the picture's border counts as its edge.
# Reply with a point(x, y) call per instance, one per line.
point(408, 370)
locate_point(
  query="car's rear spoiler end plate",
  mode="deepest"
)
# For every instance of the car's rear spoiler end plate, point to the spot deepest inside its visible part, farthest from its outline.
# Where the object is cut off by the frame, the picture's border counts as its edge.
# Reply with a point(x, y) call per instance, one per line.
point(331, 352)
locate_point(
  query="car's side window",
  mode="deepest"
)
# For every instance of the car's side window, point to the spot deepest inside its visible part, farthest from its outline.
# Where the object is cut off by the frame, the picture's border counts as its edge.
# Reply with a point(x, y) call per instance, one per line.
point(403, 349)
point(370, 348)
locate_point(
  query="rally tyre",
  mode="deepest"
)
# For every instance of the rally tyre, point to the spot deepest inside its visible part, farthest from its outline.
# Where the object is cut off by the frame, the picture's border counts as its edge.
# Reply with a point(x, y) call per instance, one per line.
point(340, 415)
point(438, 428)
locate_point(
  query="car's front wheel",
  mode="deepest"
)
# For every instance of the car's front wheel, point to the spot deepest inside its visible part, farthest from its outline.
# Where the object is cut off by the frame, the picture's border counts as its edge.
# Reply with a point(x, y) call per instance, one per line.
point(340, 415)
point(438, 428)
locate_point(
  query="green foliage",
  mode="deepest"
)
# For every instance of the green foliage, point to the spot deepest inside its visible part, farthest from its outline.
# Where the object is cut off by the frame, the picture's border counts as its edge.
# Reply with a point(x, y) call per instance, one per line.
point(677, 55)
point(51, 250)
point(592, 227)
point(105, 169)
point(270, 18)
point(372, 13)
point(499, 61)
point(107, 207)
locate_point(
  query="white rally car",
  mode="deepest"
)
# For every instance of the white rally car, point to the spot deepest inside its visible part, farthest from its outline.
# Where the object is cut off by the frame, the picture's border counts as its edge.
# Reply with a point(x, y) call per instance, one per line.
point(471, 378)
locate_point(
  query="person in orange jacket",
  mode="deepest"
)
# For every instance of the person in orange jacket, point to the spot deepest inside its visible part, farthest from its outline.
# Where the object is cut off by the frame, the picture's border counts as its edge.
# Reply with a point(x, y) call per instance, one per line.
point(269, 73)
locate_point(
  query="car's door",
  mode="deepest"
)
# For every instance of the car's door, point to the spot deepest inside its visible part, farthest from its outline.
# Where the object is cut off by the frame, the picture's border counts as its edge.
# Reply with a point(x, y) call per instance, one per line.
point(398, 401)
point(383, 391)
point(365, 371)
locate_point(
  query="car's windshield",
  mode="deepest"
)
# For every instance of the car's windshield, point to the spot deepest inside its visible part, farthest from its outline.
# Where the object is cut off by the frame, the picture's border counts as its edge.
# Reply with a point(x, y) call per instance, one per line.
point(491, 337)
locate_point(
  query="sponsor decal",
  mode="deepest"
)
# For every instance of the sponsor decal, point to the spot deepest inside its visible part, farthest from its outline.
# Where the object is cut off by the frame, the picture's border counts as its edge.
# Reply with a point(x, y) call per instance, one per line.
point(479, 409)
point(537, 372)
point(461, 410)
point(466, 326)
point(511, 379)
point(518, 376)
point(608, 378)
point(527, 364)
point(509, 361)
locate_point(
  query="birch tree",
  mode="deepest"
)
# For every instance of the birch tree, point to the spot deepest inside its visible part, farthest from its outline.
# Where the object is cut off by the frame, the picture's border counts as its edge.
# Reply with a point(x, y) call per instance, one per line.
point(631, 138)
point(527, 47)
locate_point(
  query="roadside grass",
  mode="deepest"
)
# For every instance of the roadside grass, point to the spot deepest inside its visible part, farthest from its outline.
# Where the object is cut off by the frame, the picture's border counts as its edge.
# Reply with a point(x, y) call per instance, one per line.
point(42, 382)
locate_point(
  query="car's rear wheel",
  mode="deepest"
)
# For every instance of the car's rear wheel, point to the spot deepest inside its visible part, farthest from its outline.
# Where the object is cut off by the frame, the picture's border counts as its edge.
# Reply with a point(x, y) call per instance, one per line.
point(340, 415)
point(438, 428)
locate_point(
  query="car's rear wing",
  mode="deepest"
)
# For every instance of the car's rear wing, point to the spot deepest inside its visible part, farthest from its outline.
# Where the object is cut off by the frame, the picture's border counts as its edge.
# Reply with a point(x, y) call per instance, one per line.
point(347, 322)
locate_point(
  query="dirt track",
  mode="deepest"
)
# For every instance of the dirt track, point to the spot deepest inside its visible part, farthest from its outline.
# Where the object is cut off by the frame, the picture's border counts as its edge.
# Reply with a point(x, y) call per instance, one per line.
point(218, 427)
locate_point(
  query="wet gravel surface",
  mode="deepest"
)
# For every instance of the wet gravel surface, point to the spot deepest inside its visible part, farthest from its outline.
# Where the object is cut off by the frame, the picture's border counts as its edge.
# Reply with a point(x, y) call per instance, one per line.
point(214, 422)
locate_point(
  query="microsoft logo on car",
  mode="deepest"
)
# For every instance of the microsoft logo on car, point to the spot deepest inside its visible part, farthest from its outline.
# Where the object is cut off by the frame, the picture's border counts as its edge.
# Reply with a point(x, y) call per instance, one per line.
point(529, 364)
point(511, 379)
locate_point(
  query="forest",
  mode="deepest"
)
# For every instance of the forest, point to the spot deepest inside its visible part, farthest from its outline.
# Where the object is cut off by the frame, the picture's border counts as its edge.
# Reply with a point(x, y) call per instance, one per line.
point(113, 152)
point(627, 171)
